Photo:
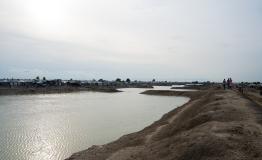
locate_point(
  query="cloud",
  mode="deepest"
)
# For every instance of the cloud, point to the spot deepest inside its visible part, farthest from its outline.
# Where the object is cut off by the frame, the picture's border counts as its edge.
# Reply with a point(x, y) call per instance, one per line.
point(140, 38)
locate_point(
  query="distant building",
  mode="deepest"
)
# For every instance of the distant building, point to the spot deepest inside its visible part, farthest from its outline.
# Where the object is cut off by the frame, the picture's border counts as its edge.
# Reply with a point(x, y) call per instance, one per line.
point(73, 83)
point(54, 82)
point(4, 83)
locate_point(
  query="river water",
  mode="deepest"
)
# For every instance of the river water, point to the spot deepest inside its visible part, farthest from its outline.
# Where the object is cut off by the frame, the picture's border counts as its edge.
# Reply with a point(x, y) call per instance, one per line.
point(53, 126)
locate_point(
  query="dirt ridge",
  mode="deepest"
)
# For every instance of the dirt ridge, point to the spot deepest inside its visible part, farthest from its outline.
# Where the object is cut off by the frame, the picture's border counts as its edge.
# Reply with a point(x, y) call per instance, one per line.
point(214, 124)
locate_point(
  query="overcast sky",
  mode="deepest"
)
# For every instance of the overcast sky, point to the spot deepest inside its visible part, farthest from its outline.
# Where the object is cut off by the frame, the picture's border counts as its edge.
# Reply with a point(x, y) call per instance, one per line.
point(137, 39)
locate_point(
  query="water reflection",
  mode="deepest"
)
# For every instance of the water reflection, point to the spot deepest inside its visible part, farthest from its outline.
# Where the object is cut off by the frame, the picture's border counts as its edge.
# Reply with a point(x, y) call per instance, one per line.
point(53, 126)
point(169, 88)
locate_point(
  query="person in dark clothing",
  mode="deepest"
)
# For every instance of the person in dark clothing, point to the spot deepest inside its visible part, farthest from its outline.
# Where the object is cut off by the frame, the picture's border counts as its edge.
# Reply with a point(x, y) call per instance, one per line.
point(224, 84)
point(228, 83)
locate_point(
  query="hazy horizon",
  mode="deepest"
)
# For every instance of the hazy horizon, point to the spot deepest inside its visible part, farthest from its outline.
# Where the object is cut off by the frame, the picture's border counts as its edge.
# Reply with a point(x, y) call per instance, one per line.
point(138, 39)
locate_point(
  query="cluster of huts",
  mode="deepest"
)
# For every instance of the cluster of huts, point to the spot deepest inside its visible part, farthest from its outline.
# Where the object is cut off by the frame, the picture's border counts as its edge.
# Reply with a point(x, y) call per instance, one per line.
point(59, 82)
point(29, 82)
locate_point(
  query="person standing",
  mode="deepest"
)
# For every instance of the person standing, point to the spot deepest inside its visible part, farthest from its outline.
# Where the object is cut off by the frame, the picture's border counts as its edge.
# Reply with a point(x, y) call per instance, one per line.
point(224, 84)
point(228, 83)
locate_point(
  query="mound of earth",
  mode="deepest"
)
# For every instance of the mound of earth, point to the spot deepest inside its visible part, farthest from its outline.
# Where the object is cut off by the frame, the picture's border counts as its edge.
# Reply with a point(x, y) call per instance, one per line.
point(213, 125)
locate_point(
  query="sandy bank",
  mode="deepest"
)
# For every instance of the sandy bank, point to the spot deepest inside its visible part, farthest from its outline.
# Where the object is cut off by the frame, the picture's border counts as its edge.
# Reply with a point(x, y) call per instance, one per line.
point(215, 124)
point(48, 90)
point(191, 94)
point(193, 87)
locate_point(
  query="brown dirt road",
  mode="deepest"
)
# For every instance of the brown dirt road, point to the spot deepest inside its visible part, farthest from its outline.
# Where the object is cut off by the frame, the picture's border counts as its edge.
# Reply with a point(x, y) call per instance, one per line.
point(214, 125)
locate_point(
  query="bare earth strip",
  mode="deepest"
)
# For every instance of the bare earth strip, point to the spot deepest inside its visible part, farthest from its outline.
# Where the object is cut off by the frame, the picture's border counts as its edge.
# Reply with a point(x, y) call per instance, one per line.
point(214, 125)
point(48, 90)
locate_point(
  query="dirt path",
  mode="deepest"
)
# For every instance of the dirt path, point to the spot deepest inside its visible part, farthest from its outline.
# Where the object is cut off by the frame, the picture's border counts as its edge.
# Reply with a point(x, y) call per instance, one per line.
point(217, 125)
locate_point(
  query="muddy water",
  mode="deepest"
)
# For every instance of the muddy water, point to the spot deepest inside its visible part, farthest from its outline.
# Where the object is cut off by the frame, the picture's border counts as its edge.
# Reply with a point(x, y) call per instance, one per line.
point(53, 126)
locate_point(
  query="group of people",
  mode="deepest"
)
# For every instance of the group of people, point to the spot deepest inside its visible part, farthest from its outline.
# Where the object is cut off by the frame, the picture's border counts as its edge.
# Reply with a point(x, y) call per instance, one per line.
point(227, 83)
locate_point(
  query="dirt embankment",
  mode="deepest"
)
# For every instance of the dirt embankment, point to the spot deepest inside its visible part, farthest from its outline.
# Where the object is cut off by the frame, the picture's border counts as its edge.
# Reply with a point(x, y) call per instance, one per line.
point(193, 87)
point(254, 95)
point(191, 94)
point(214, 125)
point(47, 90)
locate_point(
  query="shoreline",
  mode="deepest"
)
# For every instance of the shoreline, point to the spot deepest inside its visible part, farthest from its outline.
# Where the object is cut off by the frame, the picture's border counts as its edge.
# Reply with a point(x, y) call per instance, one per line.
point(50, 90)
point(214, 124)
point(62, 89)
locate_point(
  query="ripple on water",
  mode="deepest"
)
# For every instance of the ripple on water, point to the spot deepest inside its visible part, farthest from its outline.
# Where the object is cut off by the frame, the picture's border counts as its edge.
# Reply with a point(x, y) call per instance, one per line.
point(52, 127)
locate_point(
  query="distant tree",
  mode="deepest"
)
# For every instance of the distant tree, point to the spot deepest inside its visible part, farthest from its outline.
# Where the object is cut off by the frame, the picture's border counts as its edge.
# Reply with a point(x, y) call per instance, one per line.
point(195, 82)
point(37, 78)
point(101, 80)
point(153, 80)
point(118, 80)
point(128, 80)
point(44, 78)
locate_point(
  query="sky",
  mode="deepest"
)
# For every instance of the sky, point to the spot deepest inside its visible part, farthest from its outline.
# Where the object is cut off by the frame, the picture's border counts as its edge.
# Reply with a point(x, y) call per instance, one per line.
point(170, 40)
